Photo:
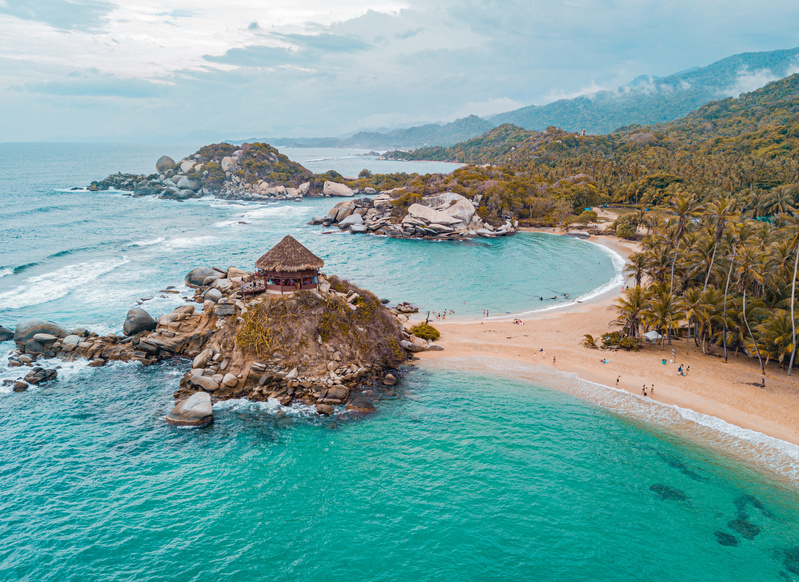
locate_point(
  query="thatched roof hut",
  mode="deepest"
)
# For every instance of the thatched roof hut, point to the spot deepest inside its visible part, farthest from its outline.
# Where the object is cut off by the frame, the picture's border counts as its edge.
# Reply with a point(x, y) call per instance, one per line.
point(289, 256)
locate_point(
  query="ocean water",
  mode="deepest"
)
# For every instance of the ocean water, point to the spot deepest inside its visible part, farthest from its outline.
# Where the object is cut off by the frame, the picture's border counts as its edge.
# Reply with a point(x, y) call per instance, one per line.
point(350, 162)
point(464, 474)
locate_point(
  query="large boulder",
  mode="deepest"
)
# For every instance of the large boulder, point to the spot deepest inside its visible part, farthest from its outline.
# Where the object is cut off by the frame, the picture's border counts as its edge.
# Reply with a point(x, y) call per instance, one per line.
point(195, 411)
point(186, 165)
point(344, 211)
point(138, 320)
point(336, 189)
point(229, 164)
point(186, 183)
point(361, 405)
point(164, 164)
point(431, 215)
point(40, 376)
point(6, 334)
point(26, 330)
point(351, 220)
point(198, 277)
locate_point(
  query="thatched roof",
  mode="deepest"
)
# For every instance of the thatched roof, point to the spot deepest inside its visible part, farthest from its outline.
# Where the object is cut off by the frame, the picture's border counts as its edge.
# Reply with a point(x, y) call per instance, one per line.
point(289, 256)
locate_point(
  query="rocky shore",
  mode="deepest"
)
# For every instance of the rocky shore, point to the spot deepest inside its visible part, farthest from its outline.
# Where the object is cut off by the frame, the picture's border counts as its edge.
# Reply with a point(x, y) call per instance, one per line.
point(442, 216)
point(336, 348)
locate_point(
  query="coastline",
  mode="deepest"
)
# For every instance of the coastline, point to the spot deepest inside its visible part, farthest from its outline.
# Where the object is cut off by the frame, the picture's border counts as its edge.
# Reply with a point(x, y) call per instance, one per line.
point(729, 392)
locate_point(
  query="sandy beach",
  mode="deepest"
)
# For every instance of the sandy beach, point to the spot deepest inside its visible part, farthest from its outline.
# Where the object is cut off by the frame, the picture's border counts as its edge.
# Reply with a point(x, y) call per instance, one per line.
point(729, 391)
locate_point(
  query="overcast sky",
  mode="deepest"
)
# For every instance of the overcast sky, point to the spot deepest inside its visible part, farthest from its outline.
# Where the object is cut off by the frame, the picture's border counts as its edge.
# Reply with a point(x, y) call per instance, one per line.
point(148, 70)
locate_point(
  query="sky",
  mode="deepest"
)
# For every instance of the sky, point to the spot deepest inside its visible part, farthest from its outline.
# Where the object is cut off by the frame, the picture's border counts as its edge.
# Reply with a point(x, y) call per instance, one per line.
point(147, 70)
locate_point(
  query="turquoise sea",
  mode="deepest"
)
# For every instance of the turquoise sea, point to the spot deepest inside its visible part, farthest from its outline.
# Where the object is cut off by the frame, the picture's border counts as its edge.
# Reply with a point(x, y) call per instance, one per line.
point(473, 471)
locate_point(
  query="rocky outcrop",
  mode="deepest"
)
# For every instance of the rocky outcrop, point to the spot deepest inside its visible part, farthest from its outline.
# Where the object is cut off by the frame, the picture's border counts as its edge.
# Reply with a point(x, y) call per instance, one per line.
point(254, 171)
point(326, 348)
point(26, 331)
point(194, 411)
point(442, 216)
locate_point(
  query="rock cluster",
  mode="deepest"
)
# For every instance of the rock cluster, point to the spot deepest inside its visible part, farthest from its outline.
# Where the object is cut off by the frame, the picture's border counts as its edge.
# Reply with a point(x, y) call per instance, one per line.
point(255, 172)
point(443, 216)
point(326, 373)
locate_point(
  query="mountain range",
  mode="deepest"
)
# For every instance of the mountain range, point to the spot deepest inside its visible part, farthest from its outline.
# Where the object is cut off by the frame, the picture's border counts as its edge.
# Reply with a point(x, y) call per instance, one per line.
point(646, 100)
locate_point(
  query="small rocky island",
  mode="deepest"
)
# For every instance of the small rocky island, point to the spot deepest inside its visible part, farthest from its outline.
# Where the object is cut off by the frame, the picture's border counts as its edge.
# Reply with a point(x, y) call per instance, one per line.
point(284, 331)
point(442, 216)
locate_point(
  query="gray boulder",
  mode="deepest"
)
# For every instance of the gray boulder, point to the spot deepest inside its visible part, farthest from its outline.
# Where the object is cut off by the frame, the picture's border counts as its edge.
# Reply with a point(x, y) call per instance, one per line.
point(213, 295)
point(164, 164)
point(336, 189)
point(195, 411)
point(431, 215)
point(26, 330)
point(351, 220)
point(358, 229)
point(186, 183)
point(411, 347)
point(197, 277)
point(138, 320)
point(229, 164)
point(6, 334)
point(206, 383)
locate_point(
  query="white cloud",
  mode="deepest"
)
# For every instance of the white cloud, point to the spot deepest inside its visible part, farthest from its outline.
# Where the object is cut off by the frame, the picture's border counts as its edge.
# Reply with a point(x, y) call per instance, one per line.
point(748, 81)
point(488, 107)
point(586, 91)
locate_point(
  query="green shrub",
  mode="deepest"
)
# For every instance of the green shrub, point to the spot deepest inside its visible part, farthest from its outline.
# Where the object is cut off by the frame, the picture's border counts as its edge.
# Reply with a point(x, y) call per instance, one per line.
point(425, 331)
point(614, 339)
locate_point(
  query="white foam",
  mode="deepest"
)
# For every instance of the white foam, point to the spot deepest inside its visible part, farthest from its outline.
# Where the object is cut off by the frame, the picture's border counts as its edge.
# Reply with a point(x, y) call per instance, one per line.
point(188, 242)
point(272, 406)
point(618, 278)
point(4, 272)
point(50, 286)
point(147, 243)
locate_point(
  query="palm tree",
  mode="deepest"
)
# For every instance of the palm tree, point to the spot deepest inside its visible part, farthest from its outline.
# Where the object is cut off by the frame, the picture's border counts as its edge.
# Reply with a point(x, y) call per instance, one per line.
point(637, 266)
point(684, 207)
point(630, 307)
point(661, 311)
point(776, 336)
point(792, 224)
point(747, 273)
point(780, 200)
point(695, 307)
point(719, 212)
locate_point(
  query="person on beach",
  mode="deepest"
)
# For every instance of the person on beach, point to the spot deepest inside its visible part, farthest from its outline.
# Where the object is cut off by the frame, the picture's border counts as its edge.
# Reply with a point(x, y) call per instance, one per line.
point(652, 390)
point(688, 369)
point(617, 381)
point(644, 389)
point(553, 360)
point(679, 370)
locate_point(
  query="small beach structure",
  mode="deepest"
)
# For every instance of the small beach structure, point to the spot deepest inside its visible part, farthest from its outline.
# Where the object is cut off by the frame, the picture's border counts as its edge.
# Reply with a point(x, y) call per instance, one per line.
point(287, 267)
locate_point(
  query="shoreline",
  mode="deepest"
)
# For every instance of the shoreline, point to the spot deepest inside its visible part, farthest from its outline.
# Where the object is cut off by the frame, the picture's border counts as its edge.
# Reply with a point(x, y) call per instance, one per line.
point(729, 392)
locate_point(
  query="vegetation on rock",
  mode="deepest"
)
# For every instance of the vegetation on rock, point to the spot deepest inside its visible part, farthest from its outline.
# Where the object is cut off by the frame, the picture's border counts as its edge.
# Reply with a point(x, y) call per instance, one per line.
point(425, 331)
